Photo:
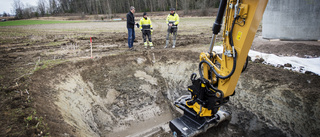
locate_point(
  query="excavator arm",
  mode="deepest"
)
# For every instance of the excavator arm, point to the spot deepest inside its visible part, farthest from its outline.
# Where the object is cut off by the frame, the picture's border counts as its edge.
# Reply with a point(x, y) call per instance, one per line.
point(219, 74)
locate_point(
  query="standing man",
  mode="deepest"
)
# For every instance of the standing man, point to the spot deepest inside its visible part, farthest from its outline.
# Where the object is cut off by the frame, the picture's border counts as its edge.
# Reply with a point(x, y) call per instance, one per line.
point(146, 28)
point(172, 21)
point(130, 27)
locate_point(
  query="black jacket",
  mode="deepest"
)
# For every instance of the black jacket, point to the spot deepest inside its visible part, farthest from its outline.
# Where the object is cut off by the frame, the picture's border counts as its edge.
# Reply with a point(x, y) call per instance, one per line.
point(130, 20)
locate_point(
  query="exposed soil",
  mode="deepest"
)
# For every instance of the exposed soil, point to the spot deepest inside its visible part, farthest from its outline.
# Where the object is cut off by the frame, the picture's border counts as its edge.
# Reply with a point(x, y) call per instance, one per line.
point(51, 87)
point(303, 49)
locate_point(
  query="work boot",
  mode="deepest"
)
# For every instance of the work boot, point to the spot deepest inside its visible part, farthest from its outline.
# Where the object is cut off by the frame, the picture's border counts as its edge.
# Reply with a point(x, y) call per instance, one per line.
point(145, 45)
point(167, 42)
point(133, 49)
point(174, 44)
point(151, 45)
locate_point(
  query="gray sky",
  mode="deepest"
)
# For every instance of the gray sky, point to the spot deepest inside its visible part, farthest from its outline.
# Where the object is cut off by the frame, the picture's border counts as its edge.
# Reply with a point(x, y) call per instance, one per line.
point(6, 5)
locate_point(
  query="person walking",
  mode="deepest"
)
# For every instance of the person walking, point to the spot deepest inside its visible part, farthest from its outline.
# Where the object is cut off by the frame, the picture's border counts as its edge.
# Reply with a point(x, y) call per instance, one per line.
point(172, 21)
point(146, 29)
point(130, 27)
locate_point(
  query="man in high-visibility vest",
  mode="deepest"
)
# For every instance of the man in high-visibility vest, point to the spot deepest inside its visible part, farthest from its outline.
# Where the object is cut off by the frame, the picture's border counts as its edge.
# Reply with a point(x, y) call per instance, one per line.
point(172, 21)
point(146, 28)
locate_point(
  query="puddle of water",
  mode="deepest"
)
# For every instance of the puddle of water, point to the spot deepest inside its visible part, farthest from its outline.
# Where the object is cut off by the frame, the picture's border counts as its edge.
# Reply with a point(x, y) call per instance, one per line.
point(137, 129)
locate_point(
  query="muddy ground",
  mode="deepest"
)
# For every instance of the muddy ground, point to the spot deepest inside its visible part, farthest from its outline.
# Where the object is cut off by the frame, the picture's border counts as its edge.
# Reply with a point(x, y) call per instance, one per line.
point(51, 87)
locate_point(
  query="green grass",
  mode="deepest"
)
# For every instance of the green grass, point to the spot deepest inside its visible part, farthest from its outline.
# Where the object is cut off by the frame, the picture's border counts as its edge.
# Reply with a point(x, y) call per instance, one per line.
point(34, 22)
point(47, 64)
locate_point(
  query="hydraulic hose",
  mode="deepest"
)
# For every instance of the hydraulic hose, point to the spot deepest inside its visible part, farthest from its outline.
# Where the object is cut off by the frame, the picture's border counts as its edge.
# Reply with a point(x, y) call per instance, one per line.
point(245, 65)
point(230, 33)
point(215, 72)
point(234, 58)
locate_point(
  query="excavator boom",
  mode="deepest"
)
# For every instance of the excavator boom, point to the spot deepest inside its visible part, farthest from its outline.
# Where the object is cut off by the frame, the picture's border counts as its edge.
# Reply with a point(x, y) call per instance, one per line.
point(219, 74)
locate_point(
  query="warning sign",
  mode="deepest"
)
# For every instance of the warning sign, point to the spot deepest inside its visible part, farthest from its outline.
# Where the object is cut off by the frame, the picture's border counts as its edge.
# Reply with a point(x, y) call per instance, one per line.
point(239, 35)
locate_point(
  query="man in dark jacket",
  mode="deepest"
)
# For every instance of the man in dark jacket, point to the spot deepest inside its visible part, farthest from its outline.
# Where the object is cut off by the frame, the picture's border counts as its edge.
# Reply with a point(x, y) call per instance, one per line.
point(130, 27)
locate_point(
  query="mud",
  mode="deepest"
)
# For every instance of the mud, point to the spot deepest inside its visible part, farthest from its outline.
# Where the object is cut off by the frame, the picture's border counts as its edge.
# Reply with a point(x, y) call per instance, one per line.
point(303, 49)
point(133, 94)
point(118, 95)
point(47, 73)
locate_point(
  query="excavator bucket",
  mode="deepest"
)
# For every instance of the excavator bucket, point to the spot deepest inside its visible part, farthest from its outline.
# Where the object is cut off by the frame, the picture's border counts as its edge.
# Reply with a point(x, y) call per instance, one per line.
point(190, 124)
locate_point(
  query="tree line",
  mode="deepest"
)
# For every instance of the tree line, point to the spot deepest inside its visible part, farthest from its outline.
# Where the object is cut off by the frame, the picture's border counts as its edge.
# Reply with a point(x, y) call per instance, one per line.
point(90, 7)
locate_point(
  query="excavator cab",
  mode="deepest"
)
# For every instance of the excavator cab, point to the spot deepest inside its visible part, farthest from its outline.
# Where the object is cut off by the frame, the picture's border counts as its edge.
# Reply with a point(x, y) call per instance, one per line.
point(218, 75)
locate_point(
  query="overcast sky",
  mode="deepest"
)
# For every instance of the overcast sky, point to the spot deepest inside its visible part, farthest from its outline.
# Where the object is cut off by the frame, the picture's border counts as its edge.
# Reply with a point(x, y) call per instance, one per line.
point(6, 5)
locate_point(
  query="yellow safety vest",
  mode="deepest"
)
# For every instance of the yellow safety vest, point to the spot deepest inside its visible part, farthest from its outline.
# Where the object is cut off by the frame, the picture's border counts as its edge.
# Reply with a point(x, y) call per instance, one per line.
point(145, 24)
point(173, 19)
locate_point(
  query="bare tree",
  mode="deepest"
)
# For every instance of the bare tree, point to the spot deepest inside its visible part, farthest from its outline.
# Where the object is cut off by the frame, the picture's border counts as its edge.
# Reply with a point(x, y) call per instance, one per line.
point(5, 14)
point(112, 6)
point(18, 8)
point(53, 6)
point(109, 9)
point(186, 6)
point(204, 11)
point(42, 7)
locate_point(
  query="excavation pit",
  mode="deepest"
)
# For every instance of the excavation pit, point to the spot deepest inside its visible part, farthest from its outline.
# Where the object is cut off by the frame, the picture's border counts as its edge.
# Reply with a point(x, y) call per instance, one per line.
point(133, 94)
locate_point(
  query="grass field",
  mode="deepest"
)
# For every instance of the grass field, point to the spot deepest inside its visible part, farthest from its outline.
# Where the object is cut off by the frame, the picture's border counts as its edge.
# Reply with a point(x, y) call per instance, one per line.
point(33, 22)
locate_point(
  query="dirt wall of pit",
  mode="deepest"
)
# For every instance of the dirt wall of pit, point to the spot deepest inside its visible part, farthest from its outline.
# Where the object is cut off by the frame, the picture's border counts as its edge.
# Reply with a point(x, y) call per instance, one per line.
point(118, 95)
point(132, 95)
point(282, 98)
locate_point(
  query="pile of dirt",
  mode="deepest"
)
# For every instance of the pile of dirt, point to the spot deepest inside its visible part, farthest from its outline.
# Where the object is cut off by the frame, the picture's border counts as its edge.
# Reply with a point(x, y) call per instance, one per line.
point(282, 100)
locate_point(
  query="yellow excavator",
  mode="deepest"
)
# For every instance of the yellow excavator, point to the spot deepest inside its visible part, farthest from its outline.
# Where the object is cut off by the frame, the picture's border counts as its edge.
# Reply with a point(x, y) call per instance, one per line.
point(219, 74)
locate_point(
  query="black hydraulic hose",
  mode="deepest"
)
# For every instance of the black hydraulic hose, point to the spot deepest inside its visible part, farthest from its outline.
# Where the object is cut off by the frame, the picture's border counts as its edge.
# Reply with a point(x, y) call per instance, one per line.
point(215, 72)
point(200, 70)
point(235, 51)
point(245, 65)
point(230, 33)
point(234, 58)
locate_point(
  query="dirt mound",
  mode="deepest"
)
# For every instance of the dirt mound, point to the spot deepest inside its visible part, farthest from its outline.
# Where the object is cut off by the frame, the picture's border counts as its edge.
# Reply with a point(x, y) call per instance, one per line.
point(287, 100)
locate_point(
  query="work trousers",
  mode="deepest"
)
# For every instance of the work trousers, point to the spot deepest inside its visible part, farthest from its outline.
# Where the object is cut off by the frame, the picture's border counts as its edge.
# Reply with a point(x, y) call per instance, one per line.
point(146, 33)
point(172, 30)
point(131, 37)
